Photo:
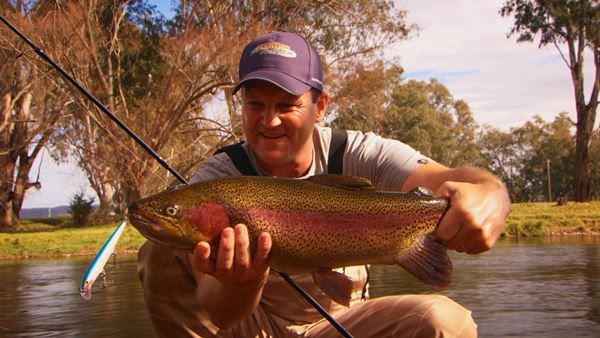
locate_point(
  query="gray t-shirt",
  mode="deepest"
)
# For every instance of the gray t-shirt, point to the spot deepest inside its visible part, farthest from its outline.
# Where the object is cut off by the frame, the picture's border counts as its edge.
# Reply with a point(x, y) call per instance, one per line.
point(387, 163)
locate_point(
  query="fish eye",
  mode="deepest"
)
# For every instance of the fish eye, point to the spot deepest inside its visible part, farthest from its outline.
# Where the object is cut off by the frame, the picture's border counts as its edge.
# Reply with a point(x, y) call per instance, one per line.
point(171, 210)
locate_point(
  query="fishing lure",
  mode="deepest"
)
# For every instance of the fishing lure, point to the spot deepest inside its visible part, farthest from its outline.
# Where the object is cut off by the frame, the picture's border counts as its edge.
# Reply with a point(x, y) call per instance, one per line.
point(96, 269)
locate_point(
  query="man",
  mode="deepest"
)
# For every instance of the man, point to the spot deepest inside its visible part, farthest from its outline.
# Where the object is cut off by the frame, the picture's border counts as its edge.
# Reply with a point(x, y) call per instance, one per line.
point(283, 100)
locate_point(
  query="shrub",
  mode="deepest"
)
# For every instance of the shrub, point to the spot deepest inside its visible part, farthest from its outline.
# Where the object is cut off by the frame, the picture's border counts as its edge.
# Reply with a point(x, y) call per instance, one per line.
point(81, 208)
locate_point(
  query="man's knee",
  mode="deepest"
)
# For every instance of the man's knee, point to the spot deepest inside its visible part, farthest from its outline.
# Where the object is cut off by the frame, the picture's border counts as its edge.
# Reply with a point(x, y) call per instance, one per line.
point(443, 317)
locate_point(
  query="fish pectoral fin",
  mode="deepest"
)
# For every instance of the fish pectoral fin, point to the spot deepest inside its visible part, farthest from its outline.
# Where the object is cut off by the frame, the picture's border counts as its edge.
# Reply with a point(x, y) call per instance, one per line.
point(335, 284)
point(428, 261)
point(343, 181)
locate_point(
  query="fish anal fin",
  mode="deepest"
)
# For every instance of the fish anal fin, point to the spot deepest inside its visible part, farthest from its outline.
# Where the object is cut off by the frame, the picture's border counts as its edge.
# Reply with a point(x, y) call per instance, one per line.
point(428, 261)
point(335, 284)
point(343, 181)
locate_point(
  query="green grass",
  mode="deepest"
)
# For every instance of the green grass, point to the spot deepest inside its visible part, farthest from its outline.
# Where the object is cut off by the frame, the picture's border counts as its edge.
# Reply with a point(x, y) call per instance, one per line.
point(537, 219)
point(40, 240)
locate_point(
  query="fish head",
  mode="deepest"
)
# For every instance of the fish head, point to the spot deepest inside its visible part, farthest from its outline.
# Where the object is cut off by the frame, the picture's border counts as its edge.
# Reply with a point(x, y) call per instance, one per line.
point(179, 218)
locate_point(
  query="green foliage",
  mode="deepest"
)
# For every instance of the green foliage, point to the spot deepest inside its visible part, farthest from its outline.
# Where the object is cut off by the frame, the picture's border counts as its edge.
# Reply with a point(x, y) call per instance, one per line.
point(81, 208)
point(421, 114)
point(522, 155)
point(554, 20)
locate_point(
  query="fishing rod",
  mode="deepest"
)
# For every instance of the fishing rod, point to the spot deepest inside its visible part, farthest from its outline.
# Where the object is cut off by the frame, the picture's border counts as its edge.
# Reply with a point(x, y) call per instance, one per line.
point(161, 161)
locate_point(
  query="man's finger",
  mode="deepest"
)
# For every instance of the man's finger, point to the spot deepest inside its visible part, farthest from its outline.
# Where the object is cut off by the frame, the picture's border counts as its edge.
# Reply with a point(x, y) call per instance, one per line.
point(226, 253)
point(449, 226)
point(242, 252)
point(202, 258)
point(262, 250)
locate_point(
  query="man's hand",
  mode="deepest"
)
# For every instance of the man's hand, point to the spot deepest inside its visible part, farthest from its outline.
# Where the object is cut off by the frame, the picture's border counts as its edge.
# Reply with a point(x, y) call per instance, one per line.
point(234, 263)
point(475, 219)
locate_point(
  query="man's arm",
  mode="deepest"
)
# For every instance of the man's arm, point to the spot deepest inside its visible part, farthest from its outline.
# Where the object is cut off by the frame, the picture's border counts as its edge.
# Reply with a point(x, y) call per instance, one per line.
point(479, 205)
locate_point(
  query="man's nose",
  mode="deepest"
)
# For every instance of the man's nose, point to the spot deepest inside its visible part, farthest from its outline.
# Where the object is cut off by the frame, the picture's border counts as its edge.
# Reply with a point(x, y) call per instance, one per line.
point(271, 118)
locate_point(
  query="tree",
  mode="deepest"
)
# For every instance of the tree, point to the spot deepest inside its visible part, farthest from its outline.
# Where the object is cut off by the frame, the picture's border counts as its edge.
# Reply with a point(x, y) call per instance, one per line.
point(499, 150)
point(31, 106)
point(363, 95)
point(541, 142)
point(160, 76)
point(426, 116)
point(81, 208)
point(576, 24)
point(522, 155)
point(595, 165)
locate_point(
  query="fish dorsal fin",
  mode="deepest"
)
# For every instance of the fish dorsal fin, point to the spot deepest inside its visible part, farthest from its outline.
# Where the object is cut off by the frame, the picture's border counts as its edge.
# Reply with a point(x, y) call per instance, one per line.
point(342, 181)
point(422, 191)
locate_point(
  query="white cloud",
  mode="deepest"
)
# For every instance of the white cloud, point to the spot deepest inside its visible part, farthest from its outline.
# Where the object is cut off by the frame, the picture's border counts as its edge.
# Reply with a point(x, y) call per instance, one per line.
point(463, 44)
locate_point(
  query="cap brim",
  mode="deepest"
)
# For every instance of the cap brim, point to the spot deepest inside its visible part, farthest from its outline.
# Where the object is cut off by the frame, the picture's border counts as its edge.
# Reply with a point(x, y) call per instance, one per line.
point(286, 82)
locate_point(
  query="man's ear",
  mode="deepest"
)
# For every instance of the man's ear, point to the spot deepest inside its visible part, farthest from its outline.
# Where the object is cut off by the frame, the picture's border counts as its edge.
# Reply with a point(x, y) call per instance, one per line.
point(322, 103)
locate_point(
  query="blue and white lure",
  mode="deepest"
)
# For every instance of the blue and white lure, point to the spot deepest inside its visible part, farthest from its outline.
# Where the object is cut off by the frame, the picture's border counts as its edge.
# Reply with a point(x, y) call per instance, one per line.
point(96, 269)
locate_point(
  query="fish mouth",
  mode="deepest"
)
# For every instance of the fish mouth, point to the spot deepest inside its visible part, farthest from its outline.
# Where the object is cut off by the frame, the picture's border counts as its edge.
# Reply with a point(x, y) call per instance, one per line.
point(154, 230)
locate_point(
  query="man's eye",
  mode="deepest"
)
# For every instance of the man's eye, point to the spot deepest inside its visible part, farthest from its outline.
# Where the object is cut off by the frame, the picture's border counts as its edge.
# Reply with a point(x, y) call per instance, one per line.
point(254, 104)
point(287, 106)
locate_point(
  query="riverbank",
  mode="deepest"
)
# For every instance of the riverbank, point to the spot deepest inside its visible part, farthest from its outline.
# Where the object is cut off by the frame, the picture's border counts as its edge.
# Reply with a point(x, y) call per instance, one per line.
point(550, 219)
point(35, 240)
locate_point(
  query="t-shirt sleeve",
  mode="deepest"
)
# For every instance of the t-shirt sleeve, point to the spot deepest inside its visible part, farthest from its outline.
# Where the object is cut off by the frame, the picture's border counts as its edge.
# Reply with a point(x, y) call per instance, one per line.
point(217, 166)
point(386, 162)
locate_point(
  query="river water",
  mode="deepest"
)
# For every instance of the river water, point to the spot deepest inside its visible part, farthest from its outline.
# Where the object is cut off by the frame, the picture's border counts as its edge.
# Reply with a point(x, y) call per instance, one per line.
point(533, 288)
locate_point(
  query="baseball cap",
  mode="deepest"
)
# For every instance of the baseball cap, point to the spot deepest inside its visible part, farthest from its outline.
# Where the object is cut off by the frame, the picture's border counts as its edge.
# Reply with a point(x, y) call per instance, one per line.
point(284, 59)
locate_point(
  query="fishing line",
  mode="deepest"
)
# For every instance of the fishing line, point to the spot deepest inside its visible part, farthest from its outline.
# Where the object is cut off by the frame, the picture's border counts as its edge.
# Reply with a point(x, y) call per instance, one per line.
point(162, 162)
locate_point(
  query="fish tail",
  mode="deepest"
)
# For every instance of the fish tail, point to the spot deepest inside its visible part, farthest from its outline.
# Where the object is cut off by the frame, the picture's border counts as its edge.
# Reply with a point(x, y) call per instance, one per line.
point(428, 261)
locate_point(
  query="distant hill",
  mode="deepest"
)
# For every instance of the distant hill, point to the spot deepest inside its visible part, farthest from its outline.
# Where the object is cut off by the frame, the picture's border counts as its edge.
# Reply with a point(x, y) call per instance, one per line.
point(44, 212)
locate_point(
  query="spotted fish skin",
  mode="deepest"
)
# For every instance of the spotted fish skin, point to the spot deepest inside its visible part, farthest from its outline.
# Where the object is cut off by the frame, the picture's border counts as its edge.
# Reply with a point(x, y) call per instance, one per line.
point(320, 223)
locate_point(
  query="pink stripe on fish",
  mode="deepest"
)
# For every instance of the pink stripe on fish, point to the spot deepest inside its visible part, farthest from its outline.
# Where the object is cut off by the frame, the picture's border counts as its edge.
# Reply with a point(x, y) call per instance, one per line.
point(209, 218)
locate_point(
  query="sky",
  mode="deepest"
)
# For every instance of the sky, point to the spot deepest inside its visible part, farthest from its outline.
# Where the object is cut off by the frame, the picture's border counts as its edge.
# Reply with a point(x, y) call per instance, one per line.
point(461, 43)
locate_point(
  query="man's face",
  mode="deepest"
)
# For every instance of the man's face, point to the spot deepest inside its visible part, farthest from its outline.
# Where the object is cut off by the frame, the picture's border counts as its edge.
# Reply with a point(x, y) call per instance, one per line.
point(278, 125)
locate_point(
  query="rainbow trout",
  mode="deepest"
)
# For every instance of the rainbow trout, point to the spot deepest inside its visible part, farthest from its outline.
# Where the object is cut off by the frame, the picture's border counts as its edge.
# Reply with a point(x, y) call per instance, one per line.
point(316, 224)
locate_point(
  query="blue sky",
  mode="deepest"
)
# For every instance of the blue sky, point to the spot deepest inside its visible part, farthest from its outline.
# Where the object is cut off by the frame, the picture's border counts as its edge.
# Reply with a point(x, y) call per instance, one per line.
point(463, 44)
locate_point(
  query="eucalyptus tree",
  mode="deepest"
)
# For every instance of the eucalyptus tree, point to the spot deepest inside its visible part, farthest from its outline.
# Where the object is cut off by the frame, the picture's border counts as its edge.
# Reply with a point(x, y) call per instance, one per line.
point(30, 108)
point(575, 23)
point(426, 116)
point(162, 77)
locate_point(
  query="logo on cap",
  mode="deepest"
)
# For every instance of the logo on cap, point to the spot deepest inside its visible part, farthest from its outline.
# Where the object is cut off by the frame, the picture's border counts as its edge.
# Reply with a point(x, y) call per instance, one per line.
point(274, 48)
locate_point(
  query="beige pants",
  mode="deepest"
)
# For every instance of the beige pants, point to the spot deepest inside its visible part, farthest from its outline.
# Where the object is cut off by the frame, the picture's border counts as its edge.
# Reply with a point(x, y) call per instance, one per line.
point(399, 316)
point(169, 287)
point(394, 316)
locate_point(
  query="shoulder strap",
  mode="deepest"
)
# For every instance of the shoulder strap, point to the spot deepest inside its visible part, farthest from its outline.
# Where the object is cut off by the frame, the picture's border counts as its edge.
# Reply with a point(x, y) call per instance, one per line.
point(337, 146)
point(335, 165)
point(240, 159)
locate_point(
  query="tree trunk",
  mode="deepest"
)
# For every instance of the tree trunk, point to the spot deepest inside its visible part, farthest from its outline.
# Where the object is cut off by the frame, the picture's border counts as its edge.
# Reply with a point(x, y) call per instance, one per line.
point(583, 137)
point(586, 117)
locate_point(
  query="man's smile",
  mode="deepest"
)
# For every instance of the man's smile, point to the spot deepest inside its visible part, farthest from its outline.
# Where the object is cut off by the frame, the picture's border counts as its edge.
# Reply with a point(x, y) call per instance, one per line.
point(272, 136)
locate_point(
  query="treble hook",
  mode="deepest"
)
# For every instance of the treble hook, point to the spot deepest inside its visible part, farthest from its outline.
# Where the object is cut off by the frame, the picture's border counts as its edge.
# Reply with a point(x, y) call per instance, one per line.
point(114, 264)
point(103, 282)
